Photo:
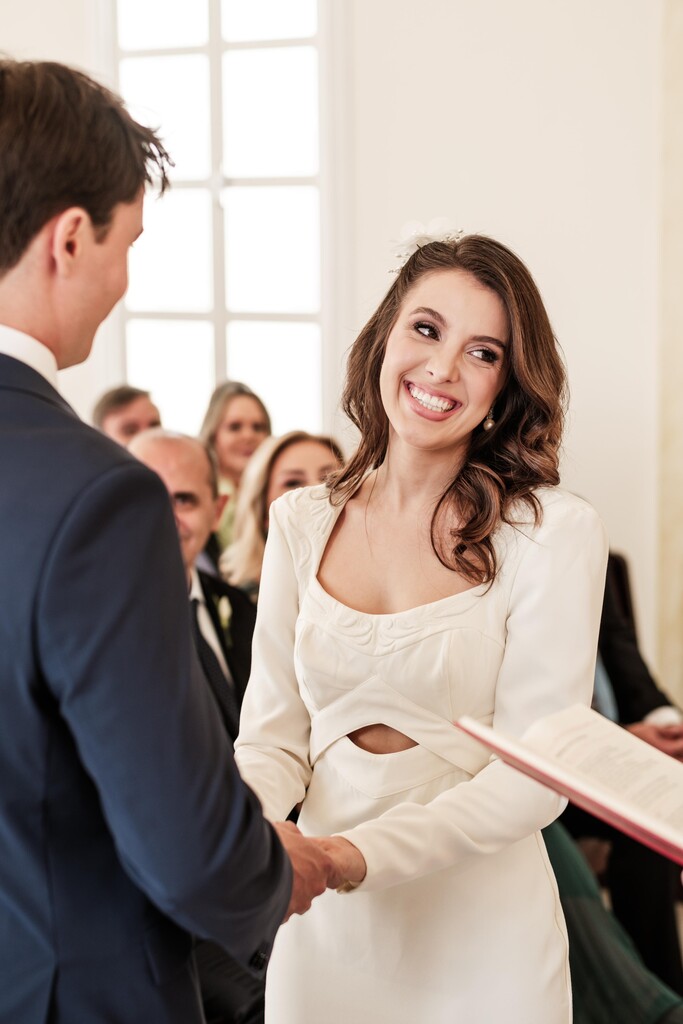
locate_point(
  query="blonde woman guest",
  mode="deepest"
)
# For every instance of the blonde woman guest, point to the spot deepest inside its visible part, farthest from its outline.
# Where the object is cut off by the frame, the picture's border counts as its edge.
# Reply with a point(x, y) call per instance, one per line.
point(280, 464)
point(235, 424)
point(442, 572)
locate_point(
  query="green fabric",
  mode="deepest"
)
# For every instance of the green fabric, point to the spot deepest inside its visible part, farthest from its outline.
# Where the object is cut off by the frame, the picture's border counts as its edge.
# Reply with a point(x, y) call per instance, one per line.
point(610, 982)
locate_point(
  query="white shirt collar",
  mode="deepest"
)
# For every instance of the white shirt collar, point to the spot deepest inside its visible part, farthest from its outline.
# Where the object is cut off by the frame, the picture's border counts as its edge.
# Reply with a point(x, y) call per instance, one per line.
point(196, 592)
point(29, 351)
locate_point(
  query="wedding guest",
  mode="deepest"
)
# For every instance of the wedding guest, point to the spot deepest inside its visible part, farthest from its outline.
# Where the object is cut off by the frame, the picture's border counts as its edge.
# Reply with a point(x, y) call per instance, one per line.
point(440, 572)
point(123, 412)
point(236, 422)
point(280, 464)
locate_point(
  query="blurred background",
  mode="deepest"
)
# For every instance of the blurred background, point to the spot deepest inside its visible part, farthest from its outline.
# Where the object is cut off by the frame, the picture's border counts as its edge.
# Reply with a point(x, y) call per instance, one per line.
point(307, 133)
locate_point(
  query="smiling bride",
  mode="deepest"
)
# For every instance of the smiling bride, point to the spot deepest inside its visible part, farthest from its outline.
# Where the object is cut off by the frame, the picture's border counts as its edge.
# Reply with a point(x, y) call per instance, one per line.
point(441, 572)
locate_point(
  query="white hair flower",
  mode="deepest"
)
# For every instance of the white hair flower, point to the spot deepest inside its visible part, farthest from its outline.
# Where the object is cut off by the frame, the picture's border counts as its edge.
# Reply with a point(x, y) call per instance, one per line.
point(415, 234)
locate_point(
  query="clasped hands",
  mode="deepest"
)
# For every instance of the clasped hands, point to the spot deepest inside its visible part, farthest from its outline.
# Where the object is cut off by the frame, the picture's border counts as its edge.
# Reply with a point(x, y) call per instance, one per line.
point(318, 863)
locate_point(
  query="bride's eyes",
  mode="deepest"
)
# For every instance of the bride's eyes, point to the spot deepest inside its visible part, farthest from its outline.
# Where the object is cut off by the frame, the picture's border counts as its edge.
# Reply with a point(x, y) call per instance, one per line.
point(427, 330)
point(483, 353)
point(487, 355)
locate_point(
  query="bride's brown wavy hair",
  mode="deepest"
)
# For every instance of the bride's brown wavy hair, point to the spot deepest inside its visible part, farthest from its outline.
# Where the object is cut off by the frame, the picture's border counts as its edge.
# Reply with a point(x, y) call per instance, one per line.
point(504, 465)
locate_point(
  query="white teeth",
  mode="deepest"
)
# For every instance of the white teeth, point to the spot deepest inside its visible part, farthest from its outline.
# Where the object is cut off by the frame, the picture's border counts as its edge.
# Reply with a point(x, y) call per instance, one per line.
point(430, 401)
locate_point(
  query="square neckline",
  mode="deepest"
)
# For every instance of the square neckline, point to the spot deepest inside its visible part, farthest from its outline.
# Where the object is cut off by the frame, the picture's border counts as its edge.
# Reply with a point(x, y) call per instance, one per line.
point(334, 512)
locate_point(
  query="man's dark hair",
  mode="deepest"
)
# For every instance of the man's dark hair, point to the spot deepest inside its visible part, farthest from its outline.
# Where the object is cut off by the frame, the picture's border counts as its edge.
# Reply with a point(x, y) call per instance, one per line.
point(66, 141)
point(112, 401)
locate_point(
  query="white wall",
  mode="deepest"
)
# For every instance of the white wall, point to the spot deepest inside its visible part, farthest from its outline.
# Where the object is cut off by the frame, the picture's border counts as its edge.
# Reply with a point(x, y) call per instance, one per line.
point(537, 123)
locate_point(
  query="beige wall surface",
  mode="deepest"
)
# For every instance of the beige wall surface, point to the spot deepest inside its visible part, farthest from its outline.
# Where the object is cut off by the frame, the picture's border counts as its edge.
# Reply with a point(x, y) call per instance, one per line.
point(671, 452)
point(540, 124)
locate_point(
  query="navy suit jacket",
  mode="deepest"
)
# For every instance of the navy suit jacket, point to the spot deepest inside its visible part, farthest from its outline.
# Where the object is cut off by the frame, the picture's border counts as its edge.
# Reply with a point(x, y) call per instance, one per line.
point(124, 825)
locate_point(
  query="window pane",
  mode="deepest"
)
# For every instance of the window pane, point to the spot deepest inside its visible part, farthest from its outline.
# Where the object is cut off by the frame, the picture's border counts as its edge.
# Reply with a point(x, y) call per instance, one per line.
point(281, 363)
point(268, 19)
point(273, 249)
point(173, 360)
point(171, 94)
point(159, 24)
point(171, 263)
point(270, 112)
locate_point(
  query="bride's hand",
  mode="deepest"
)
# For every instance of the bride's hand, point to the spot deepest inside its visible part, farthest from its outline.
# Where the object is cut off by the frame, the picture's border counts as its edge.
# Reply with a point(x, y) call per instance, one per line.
point(349, 863)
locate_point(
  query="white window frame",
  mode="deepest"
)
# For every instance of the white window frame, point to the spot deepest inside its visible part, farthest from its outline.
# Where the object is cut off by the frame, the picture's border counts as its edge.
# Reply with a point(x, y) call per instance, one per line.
point(332, 181)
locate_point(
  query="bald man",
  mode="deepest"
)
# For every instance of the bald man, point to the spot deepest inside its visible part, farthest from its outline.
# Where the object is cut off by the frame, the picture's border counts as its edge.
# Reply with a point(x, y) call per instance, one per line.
point(224, 616)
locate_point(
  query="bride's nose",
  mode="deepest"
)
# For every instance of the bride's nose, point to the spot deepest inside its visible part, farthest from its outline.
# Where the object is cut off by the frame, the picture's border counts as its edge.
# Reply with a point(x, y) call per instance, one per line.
point(443, 366)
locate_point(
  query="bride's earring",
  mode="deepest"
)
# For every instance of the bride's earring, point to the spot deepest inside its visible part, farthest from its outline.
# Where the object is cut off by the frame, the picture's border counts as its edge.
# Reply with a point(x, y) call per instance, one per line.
point(489, 422)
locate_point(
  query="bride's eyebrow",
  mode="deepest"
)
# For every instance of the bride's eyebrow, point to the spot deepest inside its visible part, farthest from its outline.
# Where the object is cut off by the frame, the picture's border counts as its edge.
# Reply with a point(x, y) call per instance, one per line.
point(427, 311)
point(492, 341)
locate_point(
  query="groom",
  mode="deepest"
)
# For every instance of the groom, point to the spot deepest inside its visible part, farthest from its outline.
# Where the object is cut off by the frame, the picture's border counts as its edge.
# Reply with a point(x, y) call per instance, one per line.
point(124, 826)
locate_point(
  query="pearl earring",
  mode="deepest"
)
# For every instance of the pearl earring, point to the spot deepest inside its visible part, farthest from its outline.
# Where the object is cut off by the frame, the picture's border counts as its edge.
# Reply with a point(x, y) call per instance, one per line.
point(489, 423)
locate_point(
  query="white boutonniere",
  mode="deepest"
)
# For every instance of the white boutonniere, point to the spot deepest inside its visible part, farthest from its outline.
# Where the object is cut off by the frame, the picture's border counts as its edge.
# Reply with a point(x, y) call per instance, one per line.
point(224, 613)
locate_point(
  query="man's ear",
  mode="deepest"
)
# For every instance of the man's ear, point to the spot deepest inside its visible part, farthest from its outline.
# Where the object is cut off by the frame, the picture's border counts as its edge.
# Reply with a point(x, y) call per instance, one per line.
point(71, 233)
point(219, 504)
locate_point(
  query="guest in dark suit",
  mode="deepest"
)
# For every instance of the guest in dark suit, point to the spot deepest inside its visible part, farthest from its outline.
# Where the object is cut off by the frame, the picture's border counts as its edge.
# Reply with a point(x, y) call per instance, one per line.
point(643, 885)
point(124, 825)
point(223, 623)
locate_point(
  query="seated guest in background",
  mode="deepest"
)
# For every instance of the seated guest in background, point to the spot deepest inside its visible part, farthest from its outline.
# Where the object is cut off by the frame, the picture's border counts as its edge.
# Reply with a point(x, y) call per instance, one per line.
point(224, 616)
point(235, 424)
point(643, 885)
point(223, 620)
point(281, 464)
point(124, 412)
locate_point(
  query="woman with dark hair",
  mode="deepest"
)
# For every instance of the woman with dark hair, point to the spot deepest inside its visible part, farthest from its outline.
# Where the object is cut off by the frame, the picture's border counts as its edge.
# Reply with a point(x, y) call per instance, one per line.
point(441, 572)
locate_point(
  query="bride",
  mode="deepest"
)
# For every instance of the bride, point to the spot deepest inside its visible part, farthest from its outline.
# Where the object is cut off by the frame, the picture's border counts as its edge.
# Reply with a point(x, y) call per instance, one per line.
point(442, 572)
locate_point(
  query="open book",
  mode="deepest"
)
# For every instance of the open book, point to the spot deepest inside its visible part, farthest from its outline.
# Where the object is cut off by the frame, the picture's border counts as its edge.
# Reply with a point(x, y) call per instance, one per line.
point(602, 768)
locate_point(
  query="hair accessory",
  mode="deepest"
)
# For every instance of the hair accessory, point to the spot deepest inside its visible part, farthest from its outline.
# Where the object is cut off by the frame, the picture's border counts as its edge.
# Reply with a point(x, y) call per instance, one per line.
point(415, 234)
point(489, 423)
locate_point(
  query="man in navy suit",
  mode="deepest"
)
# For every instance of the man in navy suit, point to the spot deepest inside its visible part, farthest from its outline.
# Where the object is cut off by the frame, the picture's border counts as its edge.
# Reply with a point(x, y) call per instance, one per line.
point(124, 826)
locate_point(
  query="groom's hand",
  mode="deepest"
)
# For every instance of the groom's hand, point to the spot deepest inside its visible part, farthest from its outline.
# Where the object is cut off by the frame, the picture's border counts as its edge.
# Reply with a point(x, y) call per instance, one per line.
point(312, 866)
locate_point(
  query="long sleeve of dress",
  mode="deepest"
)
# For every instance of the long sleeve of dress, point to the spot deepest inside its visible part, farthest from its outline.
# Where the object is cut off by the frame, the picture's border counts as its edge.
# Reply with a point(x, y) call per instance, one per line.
point(271, 750)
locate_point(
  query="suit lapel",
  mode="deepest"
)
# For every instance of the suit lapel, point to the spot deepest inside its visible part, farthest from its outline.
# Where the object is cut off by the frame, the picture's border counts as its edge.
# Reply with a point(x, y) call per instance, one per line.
point(236, 648)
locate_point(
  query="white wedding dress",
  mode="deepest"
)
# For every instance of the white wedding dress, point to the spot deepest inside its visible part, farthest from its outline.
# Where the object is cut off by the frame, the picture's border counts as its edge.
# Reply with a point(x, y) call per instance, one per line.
point(458, 918)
